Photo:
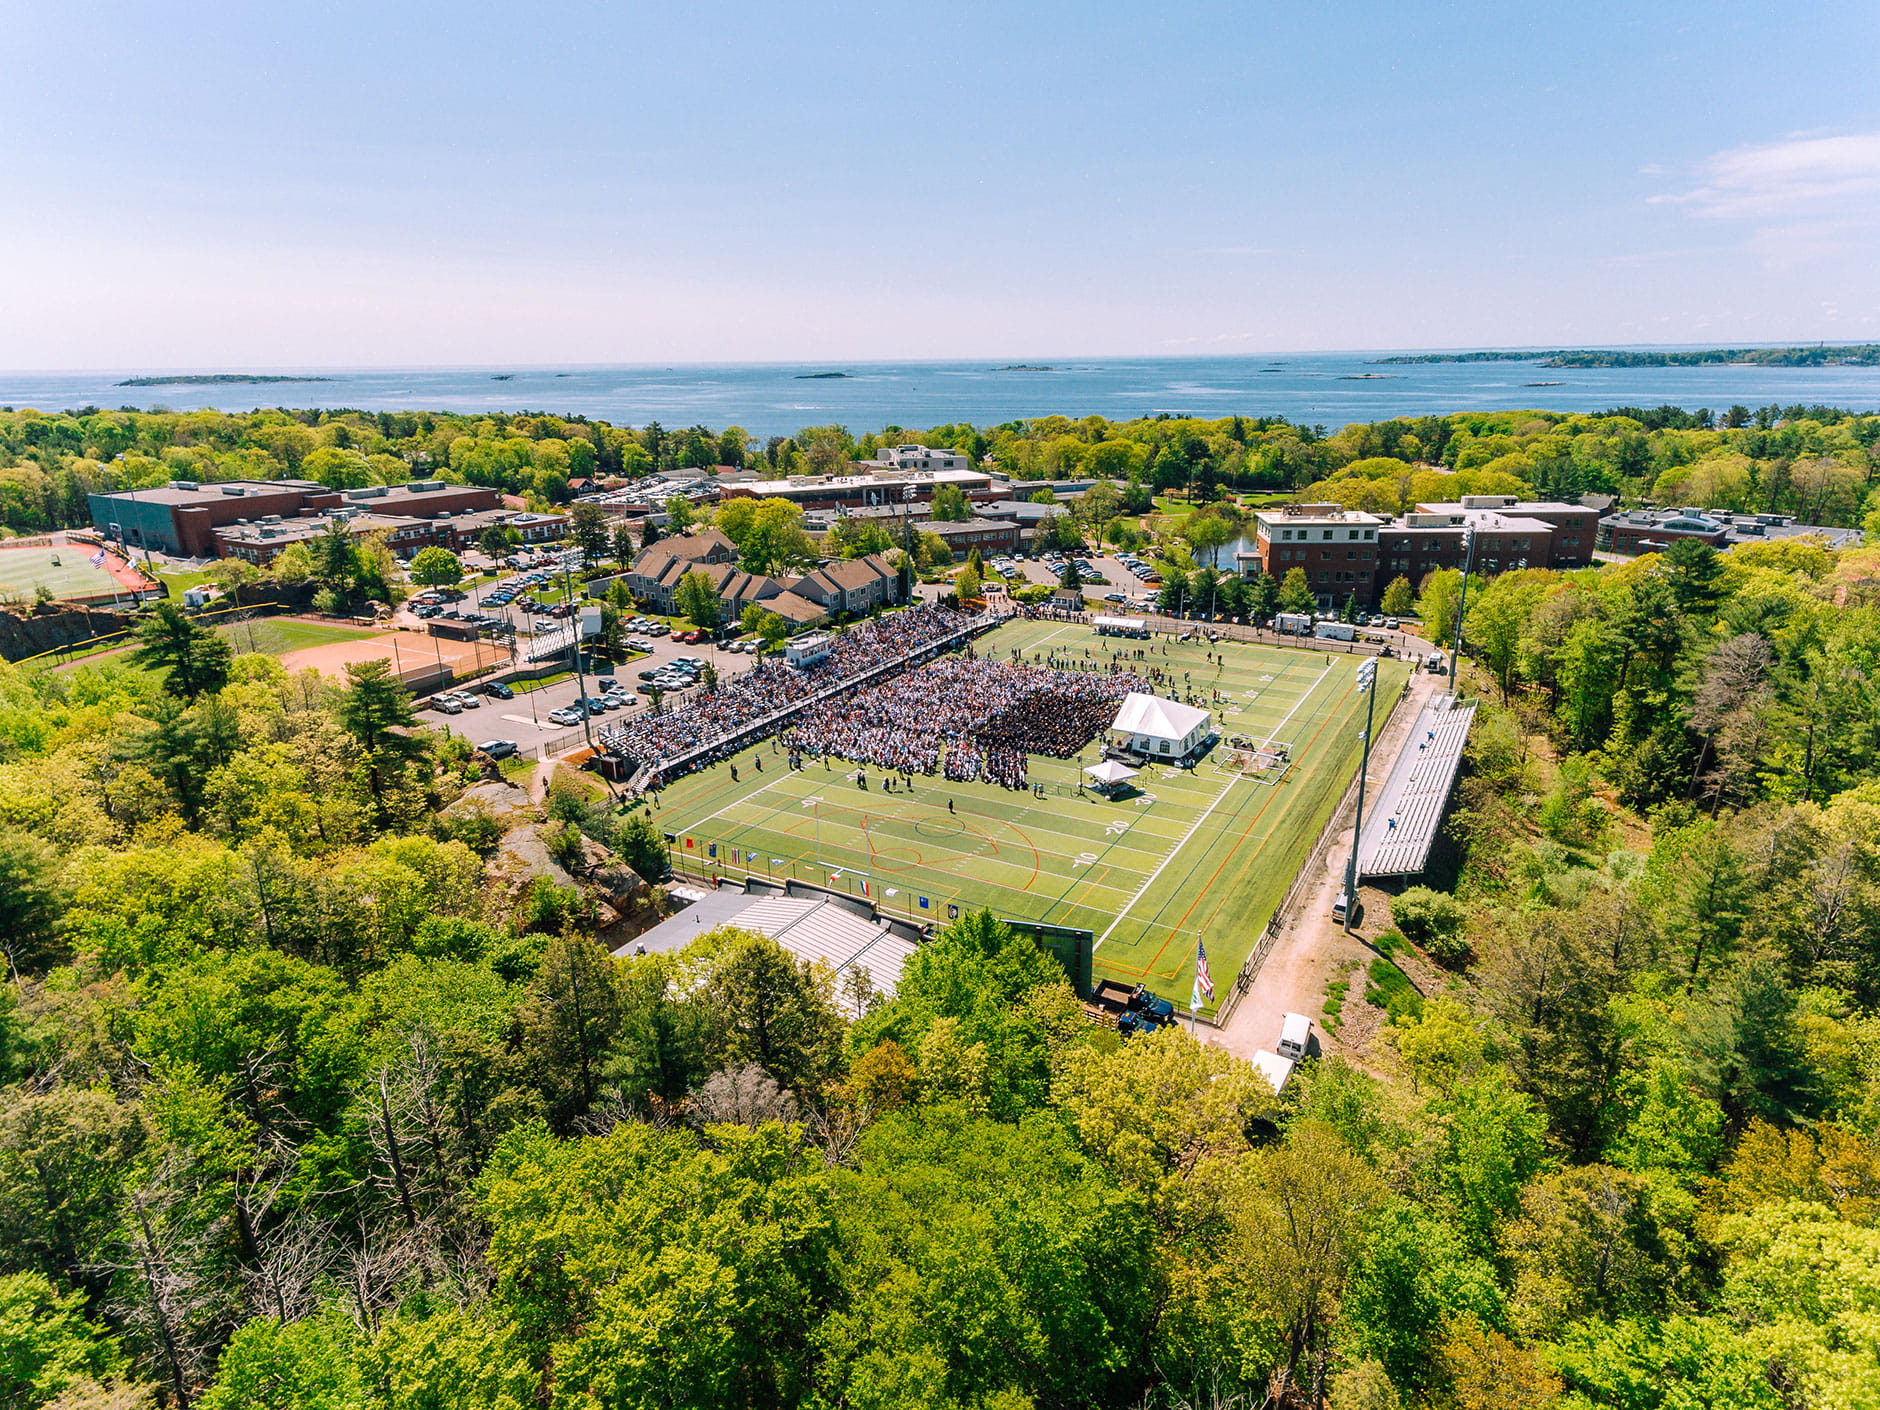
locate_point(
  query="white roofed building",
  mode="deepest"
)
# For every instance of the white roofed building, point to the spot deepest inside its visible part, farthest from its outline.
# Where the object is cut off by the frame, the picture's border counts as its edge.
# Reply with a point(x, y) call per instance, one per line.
point(1158, 728)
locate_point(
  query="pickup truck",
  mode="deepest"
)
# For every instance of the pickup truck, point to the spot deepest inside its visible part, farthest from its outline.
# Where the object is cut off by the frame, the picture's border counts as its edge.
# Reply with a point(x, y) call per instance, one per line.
point(1132, 1008)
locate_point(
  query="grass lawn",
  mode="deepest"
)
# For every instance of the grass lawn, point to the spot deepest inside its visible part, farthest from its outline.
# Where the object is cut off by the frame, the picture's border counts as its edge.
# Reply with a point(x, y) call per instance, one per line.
point(525, 687)
point(181, 580)
point(1205, 853)
point(276, 636)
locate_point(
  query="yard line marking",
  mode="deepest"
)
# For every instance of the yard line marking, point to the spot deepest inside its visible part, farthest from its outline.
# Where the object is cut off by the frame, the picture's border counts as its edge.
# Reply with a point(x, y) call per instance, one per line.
point(1193, 828)
point(1329, 663)
point(745, 799)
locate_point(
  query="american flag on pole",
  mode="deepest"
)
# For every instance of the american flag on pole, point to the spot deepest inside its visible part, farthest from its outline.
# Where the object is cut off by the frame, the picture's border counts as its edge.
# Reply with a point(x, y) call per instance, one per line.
point(1204, 982)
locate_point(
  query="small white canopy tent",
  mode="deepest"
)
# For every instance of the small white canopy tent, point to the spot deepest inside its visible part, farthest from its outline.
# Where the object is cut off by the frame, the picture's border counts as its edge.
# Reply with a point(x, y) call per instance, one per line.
point(1110, 774)
point(1158, 728)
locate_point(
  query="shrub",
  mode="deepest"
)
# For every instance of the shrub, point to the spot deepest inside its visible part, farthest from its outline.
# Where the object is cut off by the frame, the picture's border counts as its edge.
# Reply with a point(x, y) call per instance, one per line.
point(1434, 922)
point(567, 846)
point(1390, 989)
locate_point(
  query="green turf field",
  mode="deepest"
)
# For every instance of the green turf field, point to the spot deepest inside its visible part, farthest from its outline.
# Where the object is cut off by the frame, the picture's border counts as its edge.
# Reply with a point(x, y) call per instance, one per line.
point(1206, 852)
point(24, 570)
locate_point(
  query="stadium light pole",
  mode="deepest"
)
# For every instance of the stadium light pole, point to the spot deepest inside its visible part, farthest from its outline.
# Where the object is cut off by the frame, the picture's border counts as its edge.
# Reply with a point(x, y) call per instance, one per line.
point(574, 632)
point(1462, 604)
point(1367, 683)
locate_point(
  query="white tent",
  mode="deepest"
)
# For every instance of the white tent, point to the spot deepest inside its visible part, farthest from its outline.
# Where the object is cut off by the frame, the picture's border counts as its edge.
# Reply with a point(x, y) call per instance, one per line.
point(1110, 773)
point(1162, 729)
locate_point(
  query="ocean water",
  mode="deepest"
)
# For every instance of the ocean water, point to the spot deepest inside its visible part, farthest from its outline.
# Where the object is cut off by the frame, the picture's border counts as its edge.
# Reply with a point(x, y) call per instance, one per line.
point(766, 399)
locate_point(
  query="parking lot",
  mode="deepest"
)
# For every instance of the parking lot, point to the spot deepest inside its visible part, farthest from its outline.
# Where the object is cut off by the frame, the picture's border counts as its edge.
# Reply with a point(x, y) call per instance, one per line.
point(1117, 578)
point(527, 719)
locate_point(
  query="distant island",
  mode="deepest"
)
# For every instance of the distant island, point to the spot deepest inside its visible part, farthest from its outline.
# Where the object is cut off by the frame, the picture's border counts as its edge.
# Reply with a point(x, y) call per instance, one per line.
point(1367, 377)
point(818, 376)
point(1024, 367)
point(1417, 359)
point(503, 377)
point(1816, 355)
point(213, 379)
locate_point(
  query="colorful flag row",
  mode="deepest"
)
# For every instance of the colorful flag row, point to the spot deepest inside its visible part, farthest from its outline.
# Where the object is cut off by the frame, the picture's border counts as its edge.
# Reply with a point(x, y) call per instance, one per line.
point(740, 858)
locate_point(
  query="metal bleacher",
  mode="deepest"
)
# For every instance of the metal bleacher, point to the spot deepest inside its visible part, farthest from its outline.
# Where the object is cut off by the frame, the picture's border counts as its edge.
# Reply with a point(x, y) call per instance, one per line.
point(1402, 818)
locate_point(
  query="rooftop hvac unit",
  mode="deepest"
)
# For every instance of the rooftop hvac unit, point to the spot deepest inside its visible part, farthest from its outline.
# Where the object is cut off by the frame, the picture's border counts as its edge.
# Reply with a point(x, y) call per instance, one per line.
point(184, 485)
point(234, 490)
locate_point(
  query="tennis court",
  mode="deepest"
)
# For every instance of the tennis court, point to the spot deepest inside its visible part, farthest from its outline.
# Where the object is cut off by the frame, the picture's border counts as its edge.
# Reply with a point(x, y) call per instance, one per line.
point(1203, 853)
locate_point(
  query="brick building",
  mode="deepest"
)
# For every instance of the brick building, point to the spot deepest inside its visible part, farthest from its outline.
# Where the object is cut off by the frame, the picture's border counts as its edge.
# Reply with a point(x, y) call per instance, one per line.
point(1572, 527)
point(1640, 531)
point(1344, 551)
point(1336, 549)
point(987, 535)
point(181, 518)
point(256, 519)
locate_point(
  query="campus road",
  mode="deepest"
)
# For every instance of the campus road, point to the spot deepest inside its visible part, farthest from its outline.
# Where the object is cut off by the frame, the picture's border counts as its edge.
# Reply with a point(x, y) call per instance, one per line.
point(1311, 951)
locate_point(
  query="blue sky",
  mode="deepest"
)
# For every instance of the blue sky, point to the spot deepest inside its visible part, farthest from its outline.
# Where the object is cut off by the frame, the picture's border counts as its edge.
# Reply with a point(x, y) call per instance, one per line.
point(244, 185)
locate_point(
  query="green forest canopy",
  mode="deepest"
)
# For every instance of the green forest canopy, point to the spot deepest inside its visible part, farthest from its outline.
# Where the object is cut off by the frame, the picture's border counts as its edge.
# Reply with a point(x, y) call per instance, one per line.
point(1812, 461)
point(307, 1100)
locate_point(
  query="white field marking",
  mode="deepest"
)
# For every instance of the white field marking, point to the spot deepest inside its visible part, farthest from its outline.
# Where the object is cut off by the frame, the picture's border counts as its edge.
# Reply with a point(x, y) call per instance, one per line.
point(1330, 662)
point(1193, 828)
point(755, 792)
point(1031, 829)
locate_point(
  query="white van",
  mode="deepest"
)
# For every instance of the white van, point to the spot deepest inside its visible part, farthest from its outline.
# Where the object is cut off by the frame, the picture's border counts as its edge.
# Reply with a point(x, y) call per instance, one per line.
point(1295, 1033)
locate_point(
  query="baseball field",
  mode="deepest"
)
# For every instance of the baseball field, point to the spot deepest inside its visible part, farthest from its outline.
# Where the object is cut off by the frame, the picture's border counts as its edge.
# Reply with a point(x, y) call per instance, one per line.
point(1187, 854)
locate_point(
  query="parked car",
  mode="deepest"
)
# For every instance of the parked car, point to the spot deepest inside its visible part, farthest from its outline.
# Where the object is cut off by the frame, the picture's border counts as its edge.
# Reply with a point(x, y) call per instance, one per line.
point(499, 691)
point(445, 705)
point(567, 715)
point(1295, 1036)
point(498, 748)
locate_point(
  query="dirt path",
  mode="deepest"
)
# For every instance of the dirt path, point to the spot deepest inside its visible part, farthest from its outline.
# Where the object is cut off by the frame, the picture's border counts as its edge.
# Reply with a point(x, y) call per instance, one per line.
point(1313, 950)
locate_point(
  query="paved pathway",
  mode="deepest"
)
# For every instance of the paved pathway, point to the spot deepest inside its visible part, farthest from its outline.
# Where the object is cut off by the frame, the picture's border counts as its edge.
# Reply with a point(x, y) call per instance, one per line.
point(1313, 949)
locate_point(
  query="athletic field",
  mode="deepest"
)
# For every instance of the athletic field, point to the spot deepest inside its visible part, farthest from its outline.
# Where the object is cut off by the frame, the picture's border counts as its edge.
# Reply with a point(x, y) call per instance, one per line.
point(23, 571)
point(1204, 853)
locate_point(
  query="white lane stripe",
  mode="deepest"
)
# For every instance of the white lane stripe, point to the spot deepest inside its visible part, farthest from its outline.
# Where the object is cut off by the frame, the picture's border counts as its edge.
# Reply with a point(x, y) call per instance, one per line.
point(1330, 662)
point(1193, 828)
point(754, 793)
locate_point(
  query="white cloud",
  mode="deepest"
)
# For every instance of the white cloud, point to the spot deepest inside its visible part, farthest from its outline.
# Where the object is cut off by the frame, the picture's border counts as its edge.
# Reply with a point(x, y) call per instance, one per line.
point(1802, 176)
point(1805, 197)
